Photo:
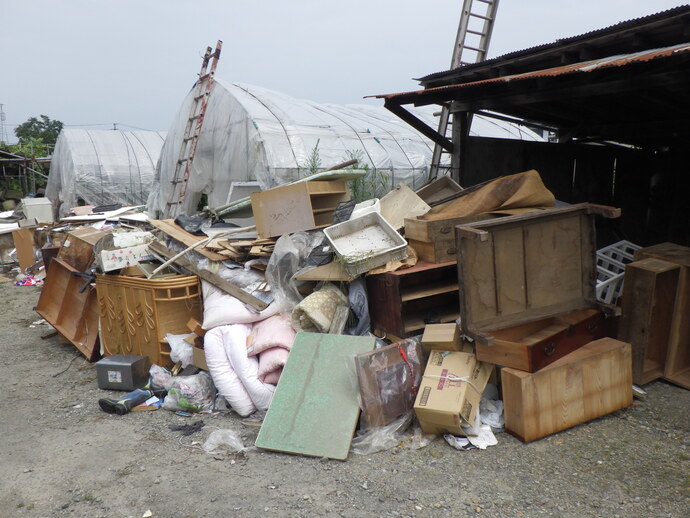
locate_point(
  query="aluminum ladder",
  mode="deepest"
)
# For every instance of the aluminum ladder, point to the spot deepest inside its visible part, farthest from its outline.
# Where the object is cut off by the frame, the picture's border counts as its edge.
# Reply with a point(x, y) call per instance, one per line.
point(474, 34)
point(190, 139)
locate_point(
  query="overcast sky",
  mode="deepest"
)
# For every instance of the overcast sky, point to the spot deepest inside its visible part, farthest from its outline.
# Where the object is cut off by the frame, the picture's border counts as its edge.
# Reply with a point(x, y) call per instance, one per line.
point(96, 62)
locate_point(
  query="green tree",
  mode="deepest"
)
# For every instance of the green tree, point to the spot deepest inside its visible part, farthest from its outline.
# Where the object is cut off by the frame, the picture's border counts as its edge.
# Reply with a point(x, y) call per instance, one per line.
point(42, 128)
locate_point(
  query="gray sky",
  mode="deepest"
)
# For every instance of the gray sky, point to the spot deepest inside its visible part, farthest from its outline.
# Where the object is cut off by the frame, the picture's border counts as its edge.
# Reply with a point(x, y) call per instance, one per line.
point(95, 62)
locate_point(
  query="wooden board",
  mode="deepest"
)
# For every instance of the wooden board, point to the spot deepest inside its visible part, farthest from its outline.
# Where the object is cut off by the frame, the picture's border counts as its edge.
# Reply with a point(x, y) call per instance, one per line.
point(591, 382)
point(649, 296)
point(24, 244)
point(333, 271)
point(519, 269)
point(315, 408)
point(677, 368)
point(73, 314)
point(169, 227)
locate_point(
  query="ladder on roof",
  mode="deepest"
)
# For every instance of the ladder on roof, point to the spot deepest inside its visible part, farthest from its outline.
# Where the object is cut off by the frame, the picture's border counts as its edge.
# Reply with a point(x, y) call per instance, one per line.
point(471, 46)
point(190, 138)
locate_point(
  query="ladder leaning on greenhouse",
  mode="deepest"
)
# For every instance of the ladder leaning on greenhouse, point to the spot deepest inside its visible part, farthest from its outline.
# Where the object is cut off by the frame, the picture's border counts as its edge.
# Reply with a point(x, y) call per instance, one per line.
point(482, 12)
point(192, 130)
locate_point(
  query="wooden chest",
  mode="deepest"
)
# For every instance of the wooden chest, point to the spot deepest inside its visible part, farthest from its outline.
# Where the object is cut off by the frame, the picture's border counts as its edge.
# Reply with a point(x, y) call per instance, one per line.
point(588, 383)
point(527, 285)
point(401, 303)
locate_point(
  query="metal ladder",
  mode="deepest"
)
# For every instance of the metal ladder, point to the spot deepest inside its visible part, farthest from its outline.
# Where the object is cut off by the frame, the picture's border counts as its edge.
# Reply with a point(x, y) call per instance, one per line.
point(474, 12)
point(183, 166)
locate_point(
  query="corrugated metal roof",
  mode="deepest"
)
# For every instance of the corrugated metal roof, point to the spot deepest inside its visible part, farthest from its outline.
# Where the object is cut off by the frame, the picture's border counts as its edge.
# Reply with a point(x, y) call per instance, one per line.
point(628, 24)
point(620, 60)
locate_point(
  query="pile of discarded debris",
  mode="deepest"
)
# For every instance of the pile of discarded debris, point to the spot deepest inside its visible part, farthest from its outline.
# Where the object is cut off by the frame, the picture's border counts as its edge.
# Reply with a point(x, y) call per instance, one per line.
point(338, 325)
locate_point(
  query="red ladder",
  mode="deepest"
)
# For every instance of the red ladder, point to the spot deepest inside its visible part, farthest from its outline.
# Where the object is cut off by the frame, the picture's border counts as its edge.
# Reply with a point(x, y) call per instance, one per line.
point(183, 167)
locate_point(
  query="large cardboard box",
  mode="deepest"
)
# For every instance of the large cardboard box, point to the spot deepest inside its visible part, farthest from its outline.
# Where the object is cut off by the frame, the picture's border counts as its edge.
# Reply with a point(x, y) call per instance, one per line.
point(450, 391)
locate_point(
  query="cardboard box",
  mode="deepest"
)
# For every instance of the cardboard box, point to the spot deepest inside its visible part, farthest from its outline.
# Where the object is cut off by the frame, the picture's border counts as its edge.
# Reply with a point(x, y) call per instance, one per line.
point(199, 358)
point(444, 337)
point(120, 372)
point(450, 391)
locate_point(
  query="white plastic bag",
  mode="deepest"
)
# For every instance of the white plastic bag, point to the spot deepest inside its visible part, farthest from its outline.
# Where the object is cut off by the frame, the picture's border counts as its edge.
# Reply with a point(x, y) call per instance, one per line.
point(180, 351)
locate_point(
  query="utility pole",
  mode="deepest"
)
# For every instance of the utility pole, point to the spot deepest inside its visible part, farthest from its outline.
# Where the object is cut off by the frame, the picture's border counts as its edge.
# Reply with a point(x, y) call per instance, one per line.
point(4, 138)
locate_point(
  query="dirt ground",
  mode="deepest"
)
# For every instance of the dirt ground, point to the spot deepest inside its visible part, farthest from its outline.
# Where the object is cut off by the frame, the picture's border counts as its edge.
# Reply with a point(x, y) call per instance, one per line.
point(62, 456)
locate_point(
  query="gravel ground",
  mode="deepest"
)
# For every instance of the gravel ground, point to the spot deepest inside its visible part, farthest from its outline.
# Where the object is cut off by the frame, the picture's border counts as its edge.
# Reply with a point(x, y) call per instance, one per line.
point(63, 456)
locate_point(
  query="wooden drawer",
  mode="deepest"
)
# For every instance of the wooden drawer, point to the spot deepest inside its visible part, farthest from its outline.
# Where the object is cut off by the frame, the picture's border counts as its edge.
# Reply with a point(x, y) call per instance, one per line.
point(590, 382)
point(532, 346)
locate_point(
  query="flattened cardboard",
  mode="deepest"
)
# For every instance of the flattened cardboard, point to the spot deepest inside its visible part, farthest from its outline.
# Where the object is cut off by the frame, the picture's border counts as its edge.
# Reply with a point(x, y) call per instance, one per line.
point(450, 391)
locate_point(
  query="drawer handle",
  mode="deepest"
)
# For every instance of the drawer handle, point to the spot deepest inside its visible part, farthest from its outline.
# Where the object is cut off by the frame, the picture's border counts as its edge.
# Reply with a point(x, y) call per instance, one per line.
point(549, 348)
point(592, 326)
point(445, 230)
point(451, 251)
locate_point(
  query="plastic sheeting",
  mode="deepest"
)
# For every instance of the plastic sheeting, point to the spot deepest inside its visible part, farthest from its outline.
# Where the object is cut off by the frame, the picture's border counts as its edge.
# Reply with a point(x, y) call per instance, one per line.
point(102, 167)
point(255, 134)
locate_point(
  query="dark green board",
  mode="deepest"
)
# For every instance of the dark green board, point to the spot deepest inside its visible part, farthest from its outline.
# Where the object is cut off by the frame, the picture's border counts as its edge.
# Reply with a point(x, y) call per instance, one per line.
point(315, 408)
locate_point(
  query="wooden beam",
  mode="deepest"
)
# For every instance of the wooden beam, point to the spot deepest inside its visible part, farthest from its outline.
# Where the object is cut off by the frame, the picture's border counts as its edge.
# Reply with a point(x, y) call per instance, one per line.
point(419, 125)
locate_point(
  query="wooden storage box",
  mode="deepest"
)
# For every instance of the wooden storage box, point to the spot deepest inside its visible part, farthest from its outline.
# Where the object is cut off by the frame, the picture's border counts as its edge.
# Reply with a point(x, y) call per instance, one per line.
point(527, 285)
point(677, 365)
point(137, 313)
point(77, 250)
point(297, 207)
point(72, 313)
point(439, 190)
point(434, 241)
point(649, 296)
point(588, 383)
point(403, 302)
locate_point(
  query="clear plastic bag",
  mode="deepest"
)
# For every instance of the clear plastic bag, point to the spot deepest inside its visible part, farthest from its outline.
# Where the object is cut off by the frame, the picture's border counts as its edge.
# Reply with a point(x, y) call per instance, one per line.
point(190, 393)
point(381, 438)
point(224, 439)
point(160, 377)
point(180, 351)
point(289, 256)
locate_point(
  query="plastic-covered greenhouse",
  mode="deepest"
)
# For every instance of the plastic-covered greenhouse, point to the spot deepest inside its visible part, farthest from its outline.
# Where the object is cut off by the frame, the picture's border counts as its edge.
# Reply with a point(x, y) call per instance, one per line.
point(102, 167)
point(255, 134)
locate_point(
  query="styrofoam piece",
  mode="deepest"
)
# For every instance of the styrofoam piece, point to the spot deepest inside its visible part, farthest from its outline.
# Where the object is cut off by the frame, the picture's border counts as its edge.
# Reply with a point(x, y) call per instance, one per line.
point(366, 242)
point(366, 207)
point(611, 261)
point(622, 251)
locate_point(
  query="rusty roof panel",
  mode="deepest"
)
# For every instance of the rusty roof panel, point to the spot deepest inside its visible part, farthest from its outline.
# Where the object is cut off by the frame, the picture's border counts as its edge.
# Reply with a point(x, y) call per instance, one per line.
point(620, 60)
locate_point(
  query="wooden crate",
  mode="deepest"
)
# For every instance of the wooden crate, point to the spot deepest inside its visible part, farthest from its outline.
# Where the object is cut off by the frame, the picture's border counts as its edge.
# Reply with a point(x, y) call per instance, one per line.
point(434, 241)
point(677, 366)
point(527, 285)
point(297, 207)
point(649, 296)
point(403, 302)
point(77, 250)
point(137, 313)
point(72, 313)
point(590, 382)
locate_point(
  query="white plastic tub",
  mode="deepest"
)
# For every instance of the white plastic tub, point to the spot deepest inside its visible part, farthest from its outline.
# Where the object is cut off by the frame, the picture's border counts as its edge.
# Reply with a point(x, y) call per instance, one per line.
point(366, 242)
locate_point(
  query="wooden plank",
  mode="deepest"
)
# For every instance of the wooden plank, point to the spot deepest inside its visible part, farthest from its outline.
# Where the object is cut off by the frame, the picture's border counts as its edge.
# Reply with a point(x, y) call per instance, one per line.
point(649, 295)
point(333, 271)
point(315, 408)
point(590, 382)
point(169, 227)
point(24, 244)
point(214, 279)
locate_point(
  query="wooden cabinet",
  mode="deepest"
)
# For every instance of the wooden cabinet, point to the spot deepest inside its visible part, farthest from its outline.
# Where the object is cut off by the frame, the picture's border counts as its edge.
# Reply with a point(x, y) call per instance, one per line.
point(297, 207)
point(402, 303)
point(649, 295)
point(677, 364)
